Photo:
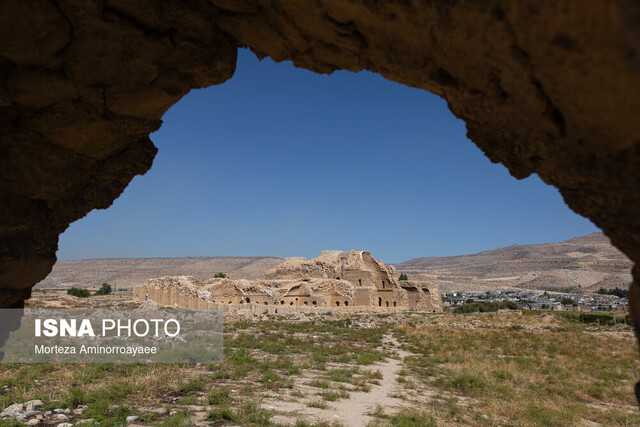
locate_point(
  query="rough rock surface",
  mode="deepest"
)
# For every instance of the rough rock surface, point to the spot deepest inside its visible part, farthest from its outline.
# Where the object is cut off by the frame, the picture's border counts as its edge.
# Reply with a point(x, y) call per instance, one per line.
point(352, 266)
point(544, 87)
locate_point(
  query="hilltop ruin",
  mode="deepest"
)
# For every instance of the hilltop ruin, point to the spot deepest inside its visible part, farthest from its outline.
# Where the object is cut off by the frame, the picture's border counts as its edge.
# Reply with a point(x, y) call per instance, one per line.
point(333, 279)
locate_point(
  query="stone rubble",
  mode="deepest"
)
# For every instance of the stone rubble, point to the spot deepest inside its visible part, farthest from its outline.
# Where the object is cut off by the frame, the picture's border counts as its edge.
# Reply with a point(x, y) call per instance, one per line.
point(30, 414)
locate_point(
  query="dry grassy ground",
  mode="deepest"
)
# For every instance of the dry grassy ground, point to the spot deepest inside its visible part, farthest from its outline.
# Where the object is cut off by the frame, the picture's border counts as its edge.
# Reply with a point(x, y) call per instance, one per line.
point(402, 369)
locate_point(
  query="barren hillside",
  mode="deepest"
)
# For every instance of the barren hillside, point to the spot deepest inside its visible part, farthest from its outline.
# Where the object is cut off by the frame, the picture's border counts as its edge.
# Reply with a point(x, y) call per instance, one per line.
point(587, 263)
point(128, 272)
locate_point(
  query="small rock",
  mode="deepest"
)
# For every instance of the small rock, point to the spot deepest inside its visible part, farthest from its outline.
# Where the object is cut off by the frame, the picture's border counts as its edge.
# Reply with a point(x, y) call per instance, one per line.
point(46, 414)
point(60, 417)
point(33, 405)
point(33, 422)
point(173, 413)
point(87, 421)
point(39, 417)
point(58, 411)
point(65, 425)
point(80, 410)
point(131, 418)
point(67, 411)
point(13, 410)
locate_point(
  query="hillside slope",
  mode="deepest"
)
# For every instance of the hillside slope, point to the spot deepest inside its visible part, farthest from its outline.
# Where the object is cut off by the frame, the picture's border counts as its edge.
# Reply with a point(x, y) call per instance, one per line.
point(587, 263)
point(128, 272)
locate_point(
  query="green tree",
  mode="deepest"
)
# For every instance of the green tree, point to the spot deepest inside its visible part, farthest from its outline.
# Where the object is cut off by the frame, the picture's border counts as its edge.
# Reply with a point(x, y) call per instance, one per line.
point(403, 276)
point(77, 292)
point(105, 289)
point(220, 276)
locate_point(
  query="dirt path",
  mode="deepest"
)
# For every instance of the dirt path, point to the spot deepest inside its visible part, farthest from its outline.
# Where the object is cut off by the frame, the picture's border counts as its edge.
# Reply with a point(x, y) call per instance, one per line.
point(354, 411)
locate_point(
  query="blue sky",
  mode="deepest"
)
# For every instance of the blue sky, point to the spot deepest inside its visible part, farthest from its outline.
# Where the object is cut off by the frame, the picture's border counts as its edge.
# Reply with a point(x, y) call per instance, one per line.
point(284, 162)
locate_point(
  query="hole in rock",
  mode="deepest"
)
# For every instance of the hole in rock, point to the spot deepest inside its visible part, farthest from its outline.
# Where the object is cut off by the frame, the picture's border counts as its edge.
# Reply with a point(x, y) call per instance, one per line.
point(280, 161)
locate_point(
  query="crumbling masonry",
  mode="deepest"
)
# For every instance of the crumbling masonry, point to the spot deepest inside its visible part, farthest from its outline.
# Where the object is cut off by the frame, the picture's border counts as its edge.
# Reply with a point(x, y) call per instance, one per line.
point(333, 279)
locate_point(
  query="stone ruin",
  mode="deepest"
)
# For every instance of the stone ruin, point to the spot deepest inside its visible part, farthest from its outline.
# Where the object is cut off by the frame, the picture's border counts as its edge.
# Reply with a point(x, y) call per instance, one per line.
point(334, 279)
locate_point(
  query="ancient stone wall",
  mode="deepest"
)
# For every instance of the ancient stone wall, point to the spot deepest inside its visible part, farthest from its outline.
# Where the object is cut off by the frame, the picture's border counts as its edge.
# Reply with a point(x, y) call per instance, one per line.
point(383, 290)
point(422, 296)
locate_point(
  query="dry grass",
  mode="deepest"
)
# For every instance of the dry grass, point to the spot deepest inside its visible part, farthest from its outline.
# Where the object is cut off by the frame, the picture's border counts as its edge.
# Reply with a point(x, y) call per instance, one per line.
point(528, 370)
point(479, 369)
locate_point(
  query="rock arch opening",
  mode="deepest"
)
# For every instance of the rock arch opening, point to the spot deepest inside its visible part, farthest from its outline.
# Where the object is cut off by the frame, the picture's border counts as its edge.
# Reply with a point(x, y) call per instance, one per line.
point(77, 112)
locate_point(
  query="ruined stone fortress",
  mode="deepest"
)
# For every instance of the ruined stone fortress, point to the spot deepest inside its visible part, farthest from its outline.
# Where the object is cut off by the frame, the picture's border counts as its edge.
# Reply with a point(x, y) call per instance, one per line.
point(334, 279)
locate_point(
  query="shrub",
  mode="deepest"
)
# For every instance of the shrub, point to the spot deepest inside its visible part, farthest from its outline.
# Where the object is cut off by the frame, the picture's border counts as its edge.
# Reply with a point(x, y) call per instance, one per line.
point(410, 418)
point(192, 385)
point(219, 396)
point(220, 276)
point(222, 414)
point(602, 319)
point(468, 383)
point(77, 292)
point(105, 289)
point(486, 307)
point(318, 403)
point(621, 293)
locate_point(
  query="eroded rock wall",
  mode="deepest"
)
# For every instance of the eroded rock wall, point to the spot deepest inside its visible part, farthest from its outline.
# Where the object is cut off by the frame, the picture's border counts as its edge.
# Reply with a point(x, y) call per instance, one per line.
point(82, 84)
point(547, 87)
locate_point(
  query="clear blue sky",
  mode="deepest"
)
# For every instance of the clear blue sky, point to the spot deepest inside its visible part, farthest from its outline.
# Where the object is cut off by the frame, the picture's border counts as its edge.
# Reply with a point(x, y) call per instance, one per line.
point(284, 162)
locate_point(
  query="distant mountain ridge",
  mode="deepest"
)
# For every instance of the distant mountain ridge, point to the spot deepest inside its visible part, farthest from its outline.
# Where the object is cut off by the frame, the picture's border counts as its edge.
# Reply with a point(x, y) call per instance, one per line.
point(128, 272)
point(583, 263)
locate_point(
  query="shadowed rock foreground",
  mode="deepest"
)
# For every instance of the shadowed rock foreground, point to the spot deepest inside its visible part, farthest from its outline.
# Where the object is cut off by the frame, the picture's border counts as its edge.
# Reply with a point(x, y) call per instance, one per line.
point(544, 87)
point(548, 87)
